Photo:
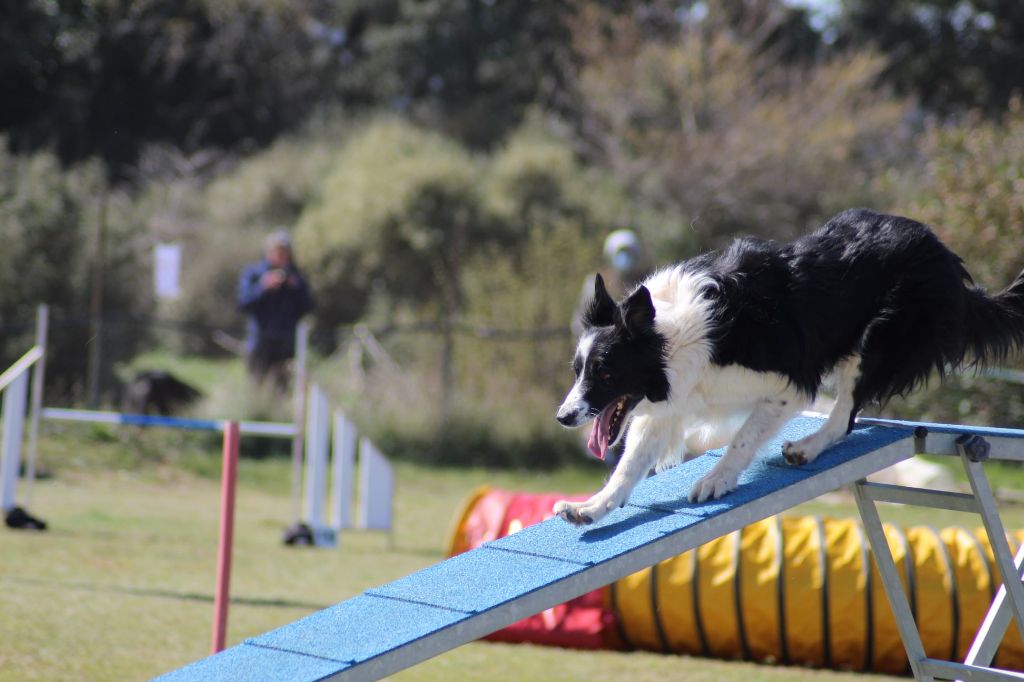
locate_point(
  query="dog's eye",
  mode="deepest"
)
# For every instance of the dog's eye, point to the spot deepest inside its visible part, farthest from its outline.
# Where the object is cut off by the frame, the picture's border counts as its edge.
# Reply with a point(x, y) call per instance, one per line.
point(604, 375)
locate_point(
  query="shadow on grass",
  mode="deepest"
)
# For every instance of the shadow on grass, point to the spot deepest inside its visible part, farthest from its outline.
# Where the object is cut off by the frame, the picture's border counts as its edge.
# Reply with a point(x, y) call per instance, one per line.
point(162, 594)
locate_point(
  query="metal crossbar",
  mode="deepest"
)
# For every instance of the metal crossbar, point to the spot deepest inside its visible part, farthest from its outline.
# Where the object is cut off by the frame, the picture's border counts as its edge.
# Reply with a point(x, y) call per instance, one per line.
point(248, 428)
point(993, 627)
point(972, 449)
point(22, 365)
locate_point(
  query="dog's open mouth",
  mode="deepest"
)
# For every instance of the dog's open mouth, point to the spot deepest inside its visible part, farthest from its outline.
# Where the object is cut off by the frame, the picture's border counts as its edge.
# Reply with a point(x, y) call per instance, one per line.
point(608, 425)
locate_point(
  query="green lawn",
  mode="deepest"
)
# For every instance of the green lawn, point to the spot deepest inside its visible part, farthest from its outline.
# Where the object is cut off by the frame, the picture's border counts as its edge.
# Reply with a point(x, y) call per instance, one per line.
point(120, 587)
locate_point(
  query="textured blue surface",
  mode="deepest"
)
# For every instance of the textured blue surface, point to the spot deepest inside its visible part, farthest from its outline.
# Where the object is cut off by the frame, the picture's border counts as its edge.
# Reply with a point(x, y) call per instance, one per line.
point(477, 581)
point(621, 531)
point(861, 440)
point(669, 490)
point(246, 663)
point(442, 596)
point(360, 628)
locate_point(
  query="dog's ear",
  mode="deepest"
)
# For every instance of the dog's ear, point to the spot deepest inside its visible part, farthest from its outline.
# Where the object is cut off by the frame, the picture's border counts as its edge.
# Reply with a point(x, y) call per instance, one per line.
point(637, 312)
point(600, 311)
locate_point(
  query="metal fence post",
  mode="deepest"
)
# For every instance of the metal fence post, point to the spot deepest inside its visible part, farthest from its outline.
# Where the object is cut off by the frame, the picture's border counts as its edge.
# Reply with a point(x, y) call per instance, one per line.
point(38, 382)
point(13, 424)
point(299, 415)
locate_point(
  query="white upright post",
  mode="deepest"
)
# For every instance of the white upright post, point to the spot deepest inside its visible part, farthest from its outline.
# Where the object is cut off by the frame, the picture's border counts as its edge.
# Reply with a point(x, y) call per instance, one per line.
point(376, 488)
point(38, 380)
point(13, 425)
point(317, 443)
point(299, 416)
point(343, 463)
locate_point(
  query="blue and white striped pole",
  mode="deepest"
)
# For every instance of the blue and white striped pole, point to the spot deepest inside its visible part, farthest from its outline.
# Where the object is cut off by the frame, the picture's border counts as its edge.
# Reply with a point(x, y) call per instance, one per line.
point(250, 428)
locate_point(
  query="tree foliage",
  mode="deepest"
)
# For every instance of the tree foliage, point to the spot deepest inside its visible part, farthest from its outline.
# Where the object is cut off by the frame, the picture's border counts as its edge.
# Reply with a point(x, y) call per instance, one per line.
point(970, 188)
point(468, 68)
point(400, 211)
point(107, 77)
point(221, 214)
point(703, 120)
point(48, 223)
point(951, 55)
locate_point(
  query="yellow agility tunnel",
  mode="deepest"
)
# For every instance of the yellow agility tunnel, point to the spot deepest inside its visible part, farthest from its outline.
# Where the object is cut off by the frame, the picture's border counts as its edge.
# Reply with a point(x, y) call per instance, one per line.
point(800, 590)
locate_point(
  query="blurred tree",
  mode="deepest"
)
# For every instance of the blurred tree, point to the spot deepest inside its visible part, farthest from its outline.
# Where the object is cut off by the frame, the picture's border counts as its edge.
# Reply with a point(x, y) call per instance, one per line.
point(951, 54)
point(400, 214)
point(47, 226)
point(221, 212)
point(709, 121)
point(970, 188)
point(107, 77)
point(469, 68)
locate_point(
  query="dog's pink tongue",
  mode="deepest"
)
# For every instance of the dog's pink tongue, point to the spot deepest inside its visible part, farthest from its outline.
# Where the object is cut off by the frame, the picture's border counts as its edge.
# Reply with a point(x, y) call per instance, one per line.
point(599, 435)
point(594, 444)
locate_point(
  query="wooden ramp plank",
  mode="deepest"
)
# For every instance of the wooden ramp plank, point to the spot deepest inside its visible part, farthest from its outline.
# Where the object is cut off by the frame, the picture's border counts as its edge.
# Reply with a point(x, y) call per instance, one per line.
point(393, 626)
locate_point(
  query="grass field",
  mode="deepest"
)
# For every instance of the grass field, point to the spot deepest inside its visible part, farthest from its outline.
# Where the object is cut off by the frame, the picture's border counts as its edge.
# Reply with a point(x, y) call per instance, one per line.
point(120, 587)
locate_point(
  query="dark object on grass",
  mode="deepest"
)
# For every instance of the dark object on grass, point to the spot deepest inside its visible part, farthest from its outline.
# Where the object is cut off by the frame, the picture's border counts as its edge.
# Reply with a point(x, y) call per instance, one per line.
point(19, 519)
point(298, 534)
point(158, 391)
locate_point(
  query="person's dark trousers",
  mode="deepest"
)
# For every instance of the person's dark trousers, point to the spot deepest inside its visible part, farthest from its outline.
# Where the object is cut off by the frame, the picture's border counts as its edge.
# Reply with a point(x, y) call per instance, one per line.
point(270, 364)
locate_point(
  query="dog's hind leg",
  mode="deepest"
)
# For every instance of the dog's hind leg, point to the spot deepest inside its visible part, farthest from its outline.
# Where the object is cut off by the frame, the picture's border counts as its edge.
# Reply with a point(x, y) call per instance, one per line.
point(839, 422)
point(647, 439)
point(767, 418)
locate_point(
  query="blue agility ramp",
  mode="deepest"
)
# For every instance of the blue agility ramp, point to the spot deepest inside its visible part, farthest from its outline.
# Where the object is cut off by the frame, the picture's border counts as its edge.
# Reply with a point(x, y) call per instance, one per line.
point(394, 626)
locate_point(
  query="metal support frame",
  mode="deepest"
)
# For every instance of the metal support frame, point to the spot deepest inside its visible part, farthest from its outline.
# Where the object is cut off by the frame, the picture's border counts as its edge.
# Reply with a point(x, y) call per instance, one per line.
point(299, 386)
point(973, 450)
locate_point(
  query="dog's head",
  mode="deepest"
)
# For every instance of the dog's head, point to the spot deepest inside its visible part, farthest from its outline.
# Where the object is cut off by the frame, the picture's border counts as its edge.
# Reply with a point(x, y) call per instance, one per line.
point(620, 360)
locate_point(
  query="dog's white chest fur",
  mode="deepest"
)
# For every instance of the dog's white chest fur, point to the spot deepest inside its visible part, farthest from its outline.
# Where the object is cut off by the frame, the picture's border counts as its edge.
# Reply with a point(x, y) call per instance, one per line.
point(735, 387)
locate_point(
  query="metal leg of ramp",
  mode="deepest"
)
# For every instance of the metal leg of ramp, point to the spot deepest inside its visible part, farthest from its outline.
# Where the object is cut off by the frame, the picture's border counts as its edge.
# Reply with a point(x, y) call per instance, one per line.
point(972, 449)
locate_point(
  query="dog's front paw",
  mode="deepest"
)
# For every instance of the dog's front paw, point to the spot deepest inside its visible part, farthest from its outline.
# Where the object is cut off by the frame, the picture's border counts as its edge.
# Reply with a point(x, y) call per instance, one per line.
point(573, 513)
point(586, 513)
point(718, 482)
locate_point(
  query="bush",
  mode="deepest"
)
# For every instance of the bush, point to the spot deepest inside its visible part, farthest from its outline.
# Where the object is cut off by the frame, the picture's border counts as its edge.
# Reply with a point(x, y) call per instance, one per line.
point(221, 213)
point(398, 410)
point(48, 225)
point(466, 441)
point(970, 189)
point(540, 218)
point(400, 212)
point(698, 116)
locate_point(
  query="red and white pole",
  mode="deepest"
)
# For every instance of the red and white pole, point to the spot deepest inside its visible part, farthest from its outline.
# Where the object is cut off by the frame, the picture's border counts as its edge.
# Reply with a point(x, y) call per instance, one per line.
point(228, 480)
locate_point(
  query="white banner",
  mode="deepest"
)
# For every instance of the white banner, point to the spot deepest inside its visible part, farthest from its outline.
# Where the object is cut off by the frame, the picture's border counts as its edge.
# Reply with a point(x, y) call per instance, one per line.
point(167, 271)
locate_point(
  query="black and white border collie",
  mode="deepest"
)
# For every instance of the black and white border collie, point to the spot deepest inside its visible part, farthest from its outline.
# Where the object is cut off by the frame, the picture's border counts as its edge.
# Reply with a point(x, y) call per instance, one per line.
point(725, 348)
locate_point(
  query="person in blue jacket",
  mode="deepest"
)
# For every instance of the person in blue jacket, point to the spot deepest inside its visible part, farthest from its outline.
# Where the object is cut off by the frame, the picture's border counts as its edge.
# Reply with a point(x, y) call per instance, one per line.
point(275, 296)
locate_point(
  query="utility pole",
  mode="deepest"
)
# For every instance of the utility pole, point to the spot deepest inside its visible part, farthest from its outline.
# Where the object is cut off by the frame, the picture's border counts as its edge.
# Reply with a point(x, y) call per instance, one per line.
point(96, 304)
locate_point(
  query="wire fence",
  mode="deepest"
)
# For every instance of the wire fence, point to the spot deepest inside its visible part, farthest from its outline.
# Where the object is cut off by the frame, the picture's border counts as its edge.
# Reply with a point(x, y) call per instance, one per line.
point(123, 338)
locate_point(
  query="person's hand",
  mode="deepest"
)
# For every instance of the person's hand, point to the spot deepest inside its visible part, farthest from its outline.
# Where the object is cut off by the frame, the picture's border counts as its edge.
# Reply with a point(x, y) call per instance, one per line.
point(273, 279)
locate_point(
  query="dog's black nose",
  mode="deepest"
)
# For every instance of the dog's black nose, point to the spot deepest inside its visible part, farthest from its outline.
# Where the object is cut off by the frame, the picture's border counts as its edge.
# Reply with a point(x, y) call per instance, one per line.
point(566, 418)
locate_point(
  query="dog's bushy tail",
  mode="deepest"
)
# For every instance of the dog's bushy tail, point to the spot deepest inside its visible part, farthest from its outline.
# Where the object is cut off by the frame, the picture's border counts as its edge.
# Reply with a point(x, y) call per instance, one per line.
point(995, 324)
